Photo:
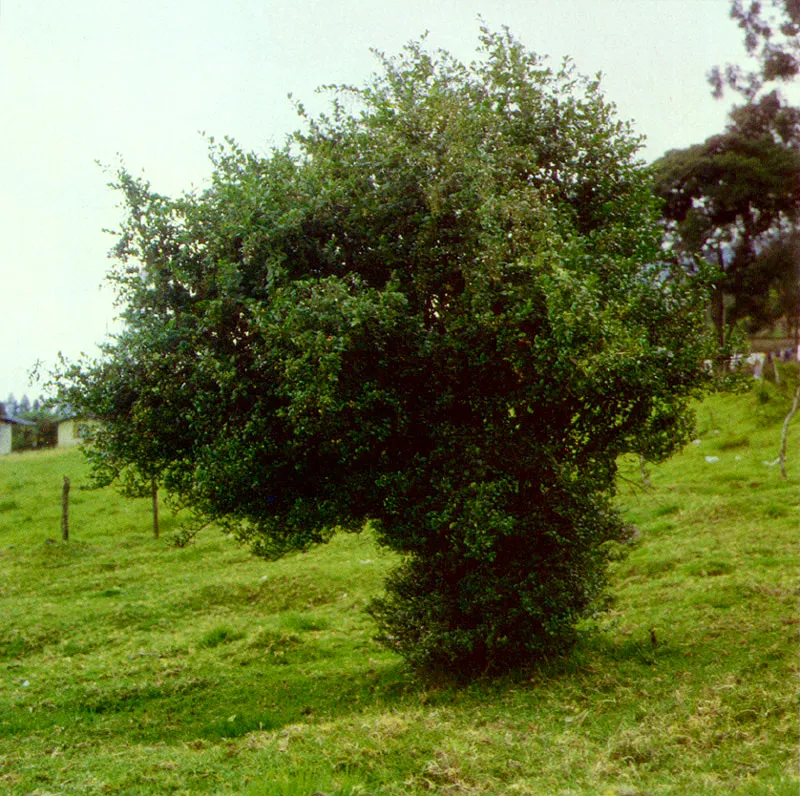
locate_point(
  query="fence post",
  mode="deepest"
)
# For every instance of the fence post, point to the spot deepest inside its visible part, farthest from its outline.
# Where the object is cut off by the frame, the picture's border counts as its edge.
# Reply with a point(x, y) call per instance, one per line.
point(155, 508)
point(65, 510)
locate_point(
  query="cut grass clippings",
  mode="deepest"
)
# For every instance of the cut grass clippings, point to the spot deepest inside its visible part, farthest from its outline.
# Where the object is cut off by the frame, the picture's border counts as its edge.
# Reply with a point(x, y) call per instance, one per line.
point(130, 665)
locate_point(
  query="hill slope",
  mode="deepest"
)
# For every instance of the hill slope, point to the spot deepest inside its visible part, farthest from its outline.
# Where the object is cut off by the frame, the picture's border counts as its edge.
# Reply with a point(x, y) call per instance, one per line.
point(130, 665)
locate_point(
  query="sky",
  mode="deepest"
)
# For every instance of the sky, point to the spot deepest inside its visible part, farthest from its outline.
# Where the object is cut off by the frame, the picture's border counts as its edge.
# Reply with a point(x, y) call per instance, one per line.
point(86, 83)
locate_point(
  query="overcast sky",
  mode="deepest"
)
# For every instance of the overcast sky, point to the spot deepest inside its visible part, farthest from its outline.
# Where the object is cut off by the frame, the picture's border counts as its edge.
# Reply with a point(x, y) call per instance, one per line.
point(85, 80)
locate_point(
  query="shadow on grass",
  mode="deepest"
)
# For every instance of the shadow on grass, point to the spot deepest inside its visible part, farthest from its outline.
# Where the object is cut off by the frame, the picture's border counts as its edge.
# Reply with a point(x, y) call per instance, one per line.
point(211, 708)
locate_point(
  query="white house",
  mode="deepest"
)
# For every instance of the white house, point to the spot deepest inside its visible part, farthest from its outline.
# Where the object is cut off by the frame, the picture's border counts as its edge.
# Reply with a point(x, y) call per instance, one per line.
point(5, 435)
point(73, 431)
point(6, 426)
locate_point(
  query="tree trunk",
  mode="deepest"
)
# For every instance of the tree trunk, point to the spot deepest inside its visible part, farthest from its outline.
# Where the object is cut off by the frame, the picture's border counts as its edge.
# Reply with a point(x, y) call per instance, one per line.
point(718, 314)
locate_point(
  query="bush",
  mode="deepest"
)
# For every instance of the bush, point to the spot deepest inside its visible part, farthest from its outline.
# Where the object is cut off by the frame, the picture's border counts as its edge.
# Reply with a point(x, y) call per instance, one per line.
point(444, 312)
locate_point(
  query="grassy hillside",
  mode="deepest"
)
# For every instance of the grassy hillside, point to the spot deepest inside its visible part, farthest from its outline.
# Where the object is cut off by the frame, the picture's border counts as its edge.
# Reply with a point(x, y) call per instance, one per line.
point(129, 665)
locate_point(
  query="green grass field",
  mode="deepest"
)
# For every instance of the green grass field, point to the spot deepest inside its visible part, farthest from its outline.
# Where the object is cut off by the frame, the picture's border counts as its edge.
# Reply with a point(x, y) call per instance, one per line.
point(130, 665)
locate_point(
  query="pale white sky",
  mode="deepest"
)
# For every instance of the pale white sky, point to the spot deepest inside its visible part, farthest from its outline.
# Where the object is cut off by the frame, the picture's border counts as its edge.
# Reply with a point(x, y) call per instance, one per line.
point(83, 80)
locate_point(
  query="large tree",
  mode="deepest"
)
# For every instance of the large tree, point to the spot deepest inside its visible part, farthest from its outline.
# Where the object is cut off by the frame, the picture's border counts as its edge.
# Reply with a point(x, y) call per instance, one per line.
point(441, 308)
point(734, 201)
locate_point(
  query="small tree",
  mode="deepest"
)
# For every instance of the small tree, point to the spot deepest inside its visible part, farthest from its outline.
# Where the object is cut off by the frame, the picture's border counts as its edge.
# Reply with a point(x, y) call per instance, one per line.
point(441, 308)
point(43, 429)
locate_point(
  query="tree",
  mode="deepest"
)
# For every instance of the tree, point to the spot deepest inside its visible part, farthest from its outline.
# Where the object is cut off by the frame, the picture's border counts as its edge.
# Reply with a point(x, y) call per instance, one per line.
point(441, 308)
point(772, 39)
point(770, 289)
point(767, 282)
point(734, 201)
point(43, 431)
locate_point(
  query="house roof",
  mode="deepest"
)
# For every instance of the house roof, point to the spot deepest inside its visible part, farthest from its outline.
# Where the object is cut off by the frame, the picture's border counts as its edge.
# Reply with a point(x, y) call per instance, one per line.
point(15, 421)
point(12, 421)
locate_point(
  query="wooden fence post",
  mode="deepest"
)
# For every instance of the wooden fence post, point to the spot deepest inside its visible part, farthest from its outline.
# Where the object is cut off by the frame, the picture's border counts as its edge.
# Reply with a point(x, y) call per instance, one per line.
point(65, 510)
point(155, 508)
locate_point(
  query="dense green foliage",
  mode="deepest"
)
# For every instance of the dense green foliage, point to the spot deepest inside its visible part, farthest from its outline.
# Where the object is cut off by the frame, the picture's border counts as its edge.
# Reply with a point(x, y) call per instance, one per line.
point(42, 433)
point(441, 308)
point(40, 426)
point(734, 202)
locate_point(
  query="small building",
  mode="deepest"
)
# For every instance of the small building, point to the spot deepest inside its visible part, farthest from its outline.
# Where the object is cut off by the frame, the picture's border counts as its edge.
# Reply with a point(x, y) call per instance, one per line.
point(73, 431)
point(5, 435)
point(6, 425)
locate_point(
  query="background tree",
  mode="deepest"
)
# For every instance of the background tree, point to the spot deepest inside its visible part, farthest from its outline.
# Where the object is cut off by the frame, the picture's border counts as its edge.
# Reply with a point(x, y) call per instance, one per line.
point(44, 431)
point(734, 201)
point(441, 308)
point(783, 258)
point(772, 39)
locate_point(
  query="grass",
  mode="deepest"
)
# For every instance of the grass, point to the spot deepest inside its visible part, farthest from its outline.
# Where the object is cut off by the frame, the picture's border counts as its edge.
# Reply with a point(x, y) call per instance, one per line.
point(130, 665)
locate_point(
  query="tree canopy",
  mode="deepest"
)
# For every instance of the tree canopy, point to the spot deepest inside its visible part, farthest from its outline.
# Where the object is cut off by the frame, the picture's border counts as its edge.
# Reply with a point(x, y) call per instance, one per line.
point(441, 308)
point(734, 201)
point(772, 39)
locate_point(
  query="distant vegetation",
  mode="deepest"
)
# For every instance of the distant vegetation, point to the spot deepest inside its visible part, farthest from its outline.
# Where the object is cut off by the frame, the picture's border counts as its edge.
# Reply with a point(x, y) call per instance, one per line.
point(131, 666)
point(43, 431)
